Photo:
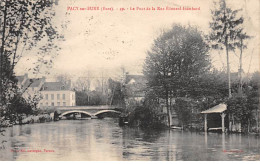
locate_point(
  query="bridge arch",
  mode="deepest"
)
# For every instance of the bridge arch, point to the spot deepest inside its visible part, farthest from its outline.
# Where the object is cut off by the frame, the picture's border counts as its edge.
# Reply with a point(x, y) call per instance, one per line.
point(76, 111)
point(105, 111)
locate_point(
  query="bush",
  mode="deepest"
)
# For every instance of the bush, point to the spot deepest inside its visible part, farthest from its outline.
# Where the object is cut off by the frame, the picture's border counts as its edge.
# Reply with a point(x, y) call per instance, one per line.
point(18, 105)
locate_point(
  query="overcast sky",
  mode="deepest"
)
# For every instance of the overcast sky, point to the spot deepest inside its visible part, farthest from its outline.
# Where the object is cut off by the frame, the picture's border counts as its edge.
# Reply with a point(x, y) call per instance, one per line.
point(104, 41)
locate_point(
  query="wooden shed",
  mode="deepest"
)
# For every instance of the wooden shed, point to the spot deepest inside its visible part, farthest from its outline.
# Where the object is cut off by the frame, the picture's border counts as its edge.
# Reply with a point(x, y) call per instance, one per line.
point(221, 108)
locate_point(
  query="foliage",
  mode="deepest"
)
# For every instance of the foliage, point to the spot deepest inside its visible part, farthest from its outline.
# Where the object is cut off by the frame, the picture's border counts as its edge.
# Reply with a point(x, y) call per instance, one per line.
point(18, 105)
point(183, 108)
point(81, 98)
point(145, 118)
point(25, 25)
point(211, 85)
point(252, 93)
point(152, 101)
point(90, 98)
point(8, 82)
point(245, 109)
point(225, 26)
point(33, 100)
point(177, 60)
point(97, 98)
point(226, 31)
point(116, 96)
point(237, 106)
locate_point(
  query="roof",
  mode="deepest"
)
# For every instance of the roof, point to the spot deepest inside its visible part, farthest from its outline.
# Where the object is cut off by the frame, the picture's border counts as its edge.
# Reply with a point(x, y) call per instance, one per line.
point(35, 82)
point(54, 86)
point(216, 109)
point(135, 85)
point(20, 79)
point(136, 78)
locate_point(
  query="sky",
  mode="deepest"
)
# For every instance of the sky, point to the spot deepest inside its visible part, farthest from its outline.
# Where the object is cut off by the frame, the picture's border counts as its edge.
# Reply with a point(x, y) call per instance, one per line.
point(101, 43)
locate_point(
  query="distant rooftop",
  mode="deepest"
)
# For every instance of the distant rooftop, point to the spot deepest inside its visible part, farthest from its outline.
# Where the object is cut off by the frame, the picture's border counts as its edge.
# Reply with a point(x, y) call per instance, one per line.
point(54, 86)
point(40, 82)
point(136, 78)
point(27, 82)
point(135, 85)
point(36, 82)
point(20, 78)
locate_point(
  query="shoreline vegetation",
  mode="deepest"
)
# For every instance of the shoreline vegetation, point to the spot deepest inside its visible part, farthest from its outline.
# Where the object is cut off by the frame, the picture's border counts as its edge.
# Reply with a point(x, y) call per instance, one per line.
point(133, 121)
point(30, 119)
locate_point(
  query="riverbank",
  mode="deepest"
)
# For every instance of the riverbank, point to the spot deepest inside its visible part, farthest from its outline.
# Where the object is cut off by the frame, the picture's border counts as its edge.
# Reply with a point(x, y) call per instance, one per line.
point(40, 118)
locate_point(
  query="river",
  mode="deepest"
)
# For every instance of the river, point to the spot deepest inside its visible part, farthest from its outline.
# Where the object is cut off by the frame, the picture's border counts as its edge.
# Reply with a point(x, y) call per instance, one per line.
point(104, 140)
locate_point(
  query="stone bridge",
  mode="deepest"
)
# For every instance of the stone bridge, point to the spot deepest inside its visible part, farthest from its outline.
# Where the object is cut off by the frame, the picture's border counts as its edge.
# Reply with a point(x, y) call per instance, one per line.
point(92, 111)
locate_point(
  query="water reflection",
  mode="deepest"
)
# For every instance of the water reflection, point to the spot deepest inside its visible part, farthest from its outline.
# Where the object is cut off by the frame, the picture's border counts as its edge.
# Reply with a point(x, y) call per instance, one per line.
point(105, 140)
point(223, 141)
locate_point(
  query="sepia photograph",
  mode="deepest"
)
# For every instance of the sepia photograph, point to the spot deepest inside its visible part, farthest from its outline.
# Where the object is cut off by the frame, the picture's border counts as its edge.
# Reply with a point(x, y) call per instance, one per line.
point(129, 80)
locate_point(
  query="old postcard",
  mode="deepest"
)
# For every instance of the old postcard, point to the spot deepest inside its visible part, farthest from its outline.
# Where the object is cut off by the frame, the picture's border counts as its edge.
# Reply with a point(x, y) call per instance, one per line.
point(129, 80)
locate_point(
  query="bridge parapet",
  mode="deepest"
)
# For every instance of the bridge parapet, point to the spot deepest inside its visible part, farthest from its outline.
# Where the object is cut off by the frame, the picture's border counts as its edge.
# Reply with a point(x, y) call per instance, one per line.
point(101, 107)
point(92, 111)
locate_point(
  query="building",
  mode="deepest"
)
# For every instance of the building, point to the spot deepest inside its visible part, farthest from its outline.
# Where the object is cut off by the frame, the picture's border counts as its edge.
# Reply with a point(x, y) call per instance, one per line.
point(49, 93)
point(57, 94)
point(135, 87)
point(30, 86)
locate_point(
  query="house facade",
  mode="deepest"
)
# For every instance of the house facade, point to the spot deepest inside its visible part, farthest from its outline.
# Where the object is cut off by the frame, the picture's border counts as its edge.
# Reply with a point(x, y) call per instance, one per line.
point(56, 94)
point(51, 94)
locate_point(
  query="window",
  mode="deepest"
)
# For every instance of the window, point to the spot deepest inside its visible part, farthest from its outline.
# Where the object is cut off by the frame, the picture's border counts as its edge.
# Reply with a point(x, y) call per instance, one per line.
point(63, 96)
point(58, 96)
point(52, 96)
point(64, 103)
point(52, 104)
point(46, 96)
point(58, 103)
point(46, 104)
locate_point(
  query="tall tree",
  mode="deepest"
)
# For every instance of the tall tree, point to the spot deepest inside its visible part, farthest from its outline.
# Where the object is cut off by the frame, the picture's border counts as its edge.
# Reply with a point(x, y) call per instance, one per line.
point(177, 59)
point(241, 44)
point(25, 25)
point(225, 27)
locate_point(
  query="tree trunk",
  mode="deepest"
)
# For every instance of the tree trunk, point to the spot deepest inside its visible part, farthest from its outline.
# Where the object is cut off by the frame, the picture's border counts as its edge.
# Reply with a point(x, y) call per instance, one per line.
point(228, 71)
point(240, 70)
point(257, 123)
point(2, 55)
point(248, 125)
point(230, 122)
point(233, 122)
point(167, 107)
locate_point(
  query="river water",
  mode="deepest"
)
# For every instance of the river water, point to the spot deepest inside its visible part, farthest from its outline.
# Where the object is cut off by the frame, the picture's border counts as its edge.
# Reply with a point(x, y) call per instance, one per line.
point(104, 140)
